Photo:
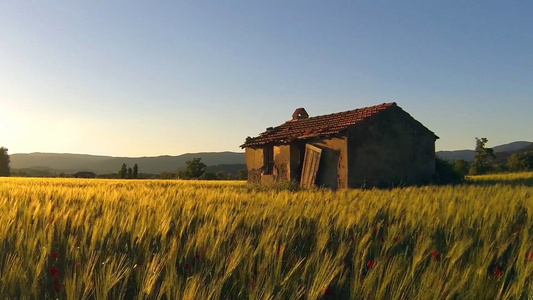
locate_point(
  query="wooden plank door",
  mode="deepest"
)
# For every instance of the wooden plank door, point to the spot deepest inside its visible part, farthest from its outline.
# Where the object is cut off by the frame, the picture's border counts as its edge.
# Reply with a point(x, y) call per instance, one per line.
point(310, 167)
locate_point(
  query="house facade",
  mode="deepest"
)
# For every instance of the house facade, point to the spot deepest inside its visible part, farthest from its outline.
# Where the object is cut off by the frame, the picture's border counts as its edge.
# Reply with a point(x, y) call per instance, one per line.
point(380, 145)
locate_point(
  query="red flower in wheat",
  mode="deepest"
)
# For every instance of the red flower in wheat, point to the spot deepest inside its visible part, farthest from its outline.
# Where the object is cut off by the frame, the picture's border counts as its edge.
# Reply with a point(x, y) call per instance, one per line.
point(54, 255)
point(370, 264)
point(54, 271)
point(329, 291)
point(435, 254)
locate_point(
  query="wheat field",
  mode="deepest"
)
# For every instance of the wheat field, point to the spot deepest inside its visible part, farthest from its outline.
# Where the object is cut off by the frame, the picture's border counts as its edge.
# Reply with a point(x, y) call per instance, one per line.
point(154, 239)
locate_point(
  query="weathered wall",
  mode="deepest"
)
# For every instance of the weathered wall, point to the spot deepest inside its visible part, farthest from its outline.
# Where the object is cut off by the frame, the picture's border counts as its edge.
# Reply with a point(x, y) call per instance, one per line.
point(390, 149)
point(333, 169)
point(254, 164)
point(282, 158)
point(288, 160)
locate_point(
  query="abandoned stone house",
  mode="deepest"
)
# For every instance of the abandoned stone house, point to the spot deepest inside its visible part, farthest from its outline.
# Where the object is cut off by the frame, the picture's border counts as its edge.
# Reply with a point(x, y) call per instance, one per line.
point(380, 145)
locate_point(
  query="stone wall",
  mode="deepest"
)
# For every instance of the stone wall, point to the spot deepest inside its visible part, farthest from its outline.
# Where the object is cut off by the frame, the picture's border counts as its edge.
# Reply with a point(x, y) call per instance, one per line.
point(282, 160)
point(254, 164)
point(288, 162)
point(390, 149)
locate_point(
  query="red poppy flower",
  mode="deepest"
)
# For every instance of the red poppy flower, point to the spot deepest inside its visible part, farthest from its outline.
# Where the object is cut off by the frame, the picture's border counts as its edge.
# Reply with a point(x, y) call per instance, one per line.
point(435, 254)
point(78, 265)
point(530, 256)
point(55, 255)
point(369, 264)
point(187, 266)
point(197, 256)
point(54, 271)
point(497, 271)
point(382, 239)
point(329, 291)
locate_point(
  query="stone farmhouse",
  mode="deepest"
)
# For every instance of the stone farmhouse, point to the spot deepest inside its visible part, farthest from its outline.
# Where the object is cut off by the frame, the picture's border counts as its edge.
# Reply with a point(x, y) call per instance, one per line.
point(378, 146)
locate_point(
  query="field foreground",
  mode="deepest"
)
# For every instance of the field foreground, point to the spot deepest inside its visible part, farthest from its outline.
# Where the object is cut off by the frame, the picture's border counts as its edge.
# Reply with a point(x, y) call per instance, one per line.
point(113, 239)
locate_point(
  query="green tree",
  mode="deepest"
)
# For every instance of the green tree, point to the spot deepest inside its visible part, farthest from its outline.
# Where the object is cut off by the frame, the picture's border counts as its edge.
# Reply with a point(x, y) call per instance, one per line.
point(167, 175)
point(445, 172)
point(195, 168)
point(243, 175)
point(528, 156)
point(461, 166)
point(4, 162)
point(130, 173)
point(519, 162)
point(221, 175)
point(135, 171)
point(482, 158)
point(123, 171)
point(208, 176)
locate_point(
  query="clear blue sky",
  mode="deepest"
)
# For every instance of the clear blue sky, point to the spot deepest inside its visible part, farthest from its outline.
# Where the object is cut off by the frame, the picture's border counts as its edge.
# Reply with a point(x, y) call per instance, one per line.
point(132, 78)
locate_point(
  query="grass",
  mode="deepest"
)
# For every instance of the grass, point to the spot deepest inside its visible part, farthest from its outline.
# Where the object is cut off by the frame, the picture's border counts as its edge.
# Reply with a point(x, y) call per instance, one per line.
point(113, 239)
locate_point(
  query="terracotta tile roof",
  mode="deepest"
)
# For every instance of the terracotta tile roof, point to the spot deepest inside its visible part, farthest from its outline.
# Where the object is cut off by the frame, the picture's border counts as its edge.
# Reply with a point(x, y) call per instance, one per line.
point(304, 128)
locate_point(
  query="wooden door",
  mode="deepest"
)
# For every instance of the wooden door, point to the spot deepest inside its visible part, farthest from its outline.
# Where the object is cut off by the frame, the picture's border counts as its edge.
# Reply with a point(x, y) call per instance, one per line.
point(310, 167)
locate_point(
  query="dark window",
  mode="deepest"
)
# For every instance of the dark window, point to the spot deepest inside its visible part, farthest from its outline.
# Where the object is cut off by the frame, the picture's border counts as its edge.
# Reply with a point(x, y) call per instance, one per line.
point(268, 157)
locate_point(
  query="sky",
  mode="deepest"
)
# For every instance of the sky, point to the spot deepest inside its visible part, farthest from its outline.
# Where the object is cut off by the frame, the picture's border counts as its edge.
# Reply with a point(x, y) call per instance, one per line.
point(148, 78)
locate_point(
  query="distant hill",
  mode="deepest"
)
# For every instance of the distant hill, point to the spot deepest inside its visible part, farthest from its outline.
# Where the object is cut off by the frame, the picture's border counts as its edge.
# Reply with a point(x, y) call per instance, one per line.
point(512, 147)
point(501, 151)
point(72, 163)
point(454, 155)
point(229, 162)
point(528, 148)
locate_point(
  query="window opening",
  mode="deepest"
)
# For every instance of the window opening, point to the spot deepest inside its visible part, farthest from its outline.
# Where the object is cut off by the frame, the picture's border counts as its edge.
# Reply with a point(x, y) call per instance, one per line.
point(268, 156)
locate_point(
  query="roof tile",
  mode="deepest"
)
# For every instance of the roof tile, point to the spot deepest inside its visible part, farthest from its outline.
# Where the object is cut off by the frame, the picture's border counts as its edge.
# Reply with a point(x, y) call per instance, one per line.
point(315, 126)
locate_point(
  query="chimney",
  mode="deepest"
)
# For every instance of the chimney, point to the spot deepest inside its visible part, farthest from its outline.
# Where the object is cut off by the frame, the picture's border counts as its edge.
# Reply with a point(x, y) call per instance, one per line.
point(299, 113)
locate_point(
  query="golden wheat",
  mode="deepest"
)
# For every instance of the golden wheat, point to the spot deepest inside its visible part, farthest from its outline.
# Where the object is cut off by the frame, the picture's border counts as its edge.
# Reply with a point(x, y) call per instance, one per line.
point(119, 239)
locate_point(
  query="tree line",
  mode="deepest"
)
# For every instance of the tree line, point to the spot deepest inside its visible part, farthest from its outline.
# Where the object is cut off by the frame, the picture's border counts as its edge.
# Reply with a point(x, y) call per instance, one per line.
point(196, 169)
point(484, 161)
point(4, 162)
point(128, 173)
